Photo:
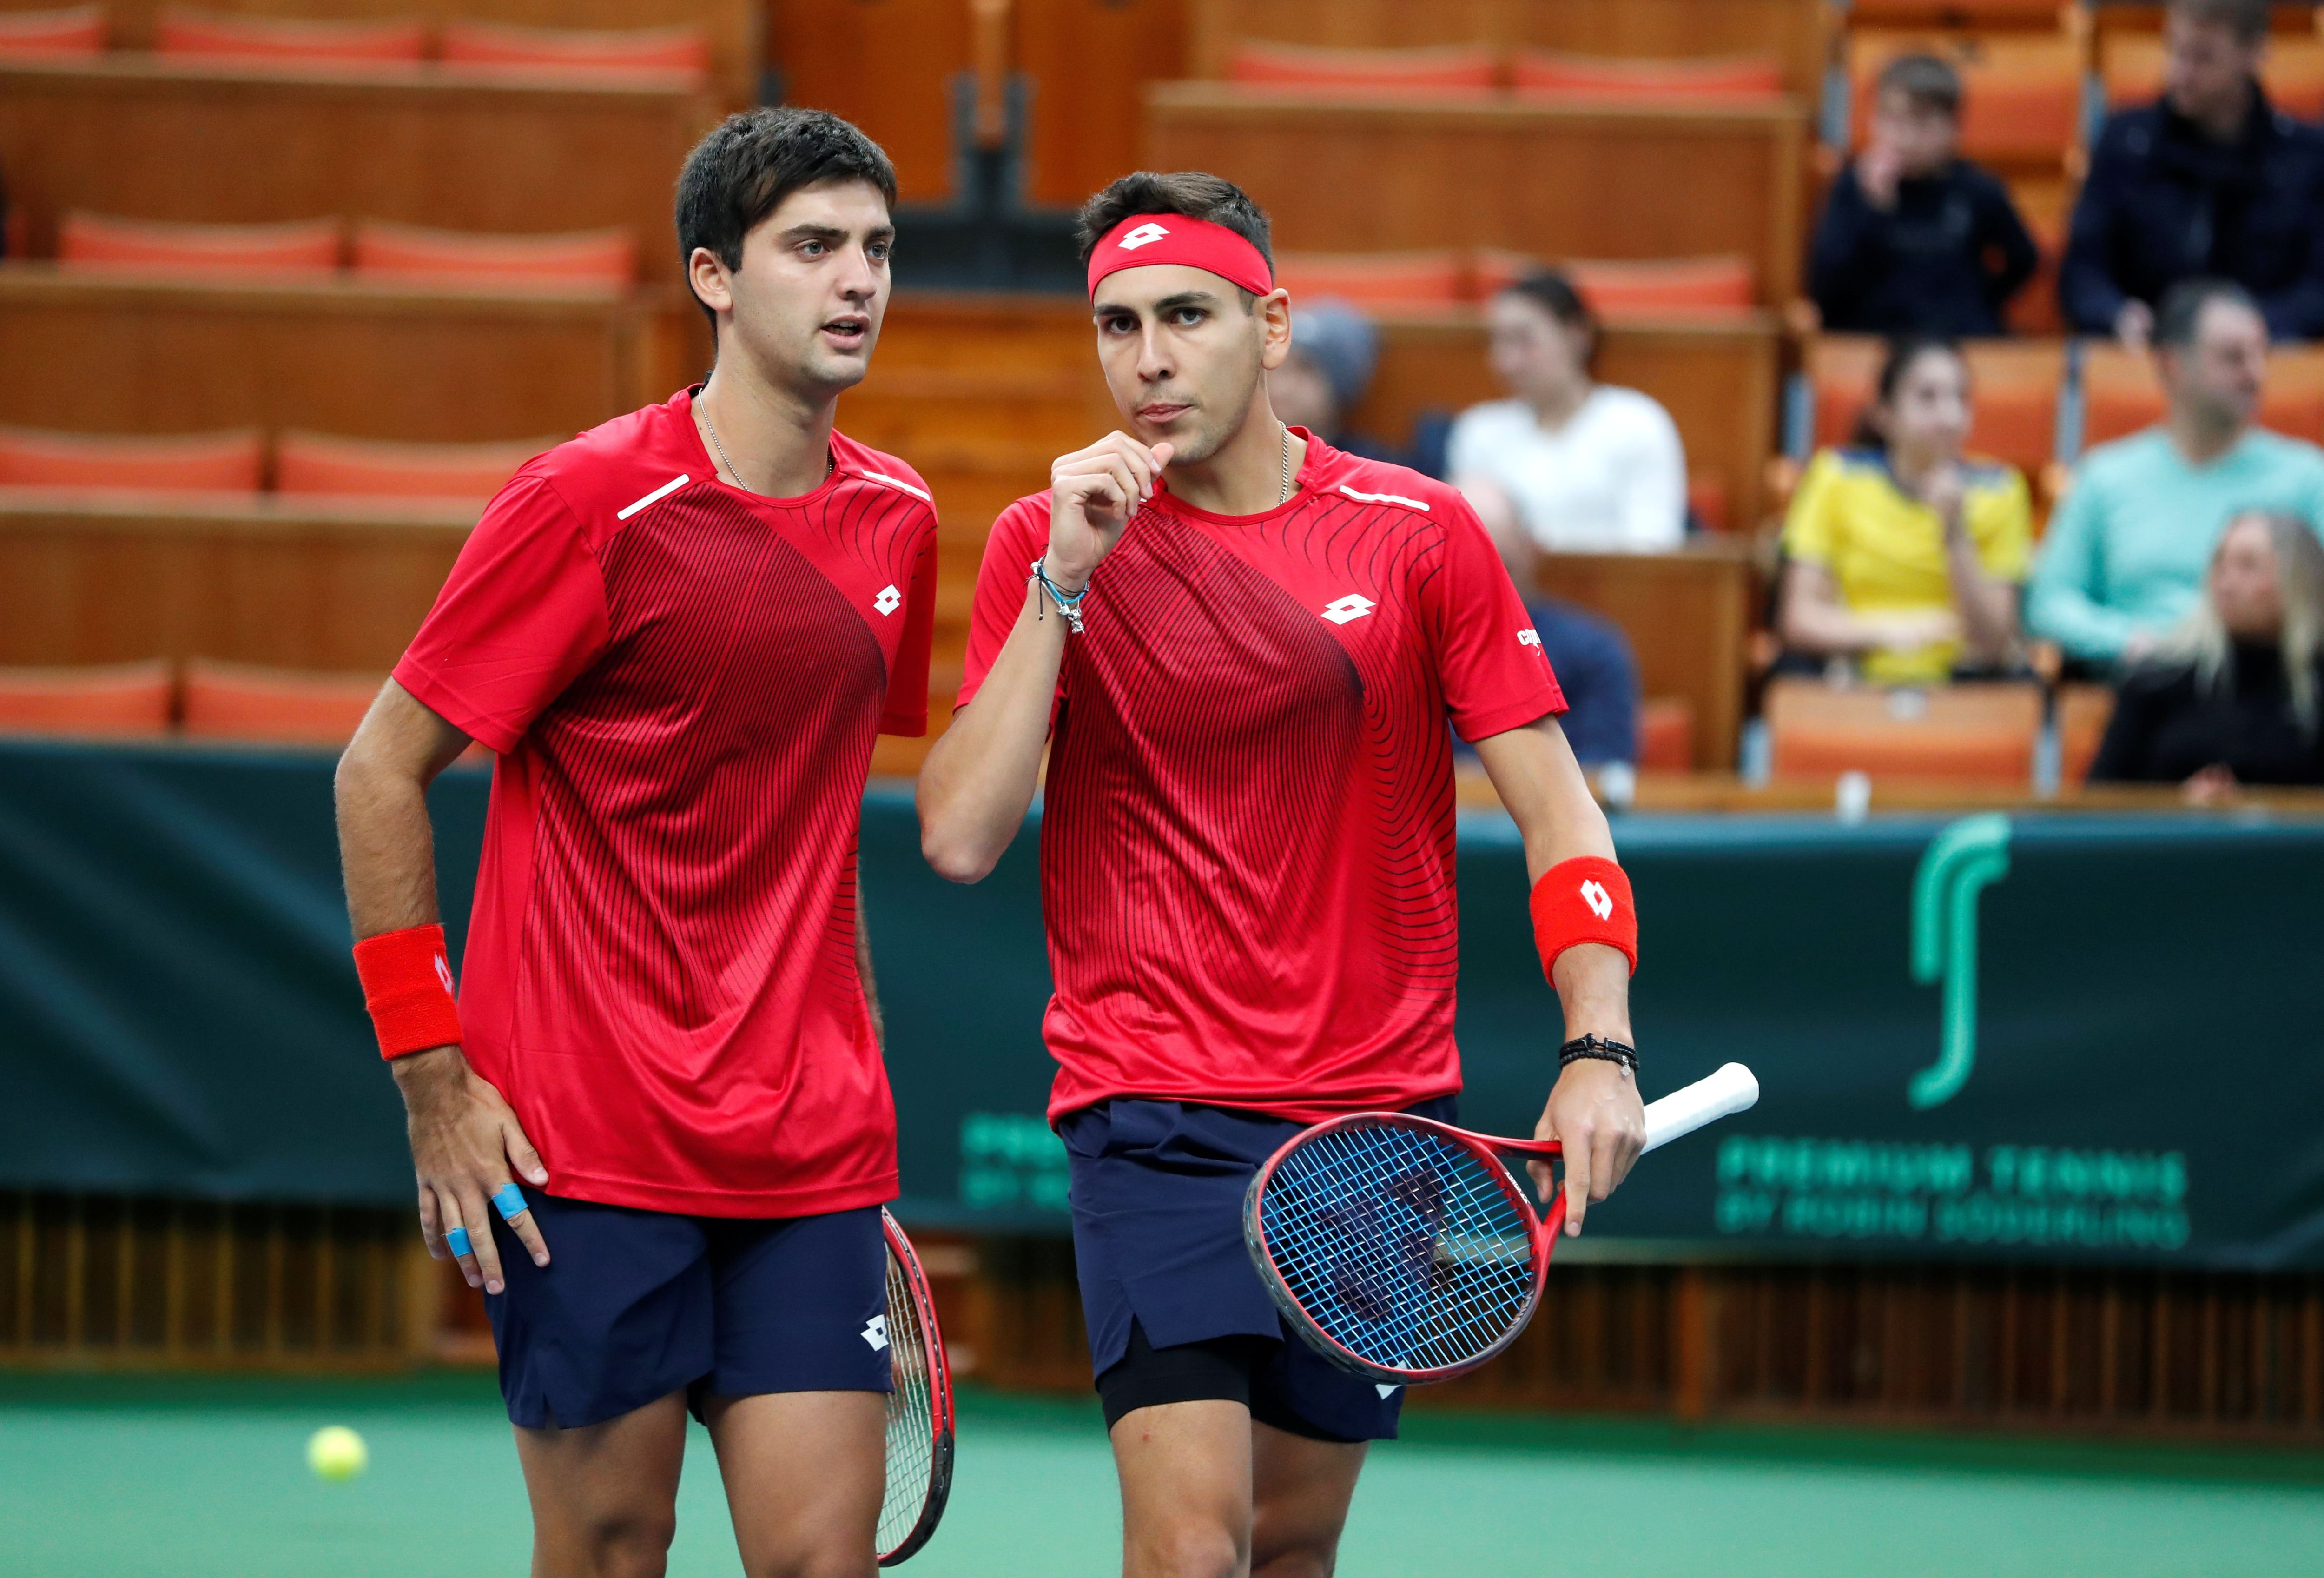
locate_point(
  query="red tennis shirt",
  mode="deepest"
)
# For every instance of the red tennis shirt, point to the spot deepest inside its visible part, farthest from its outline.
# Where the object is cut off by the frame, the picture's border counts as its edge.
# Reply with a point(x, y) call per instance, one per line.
point(682, 681)
point(1247, 836)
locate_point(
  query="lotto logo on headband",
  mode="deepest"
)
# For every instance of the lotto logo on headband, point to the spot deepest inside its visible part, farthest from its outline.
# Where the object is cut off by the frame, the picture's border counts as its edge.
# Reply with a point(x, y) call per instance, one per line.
point(1142, 241)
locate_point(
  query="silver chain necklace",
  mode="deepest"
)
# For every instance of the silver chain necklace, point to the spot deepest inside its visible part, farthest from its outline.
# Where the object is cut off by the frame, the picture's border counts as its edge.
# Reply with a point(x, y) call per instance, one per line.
point(1285, 430)
point(711, 428)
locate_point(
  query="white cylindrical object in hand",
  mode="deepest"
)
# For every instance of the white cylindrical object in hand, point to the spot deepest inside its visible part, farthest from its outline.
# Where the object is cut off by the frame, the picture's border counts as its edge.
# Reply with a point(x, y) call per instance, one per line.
point(1683, 1112)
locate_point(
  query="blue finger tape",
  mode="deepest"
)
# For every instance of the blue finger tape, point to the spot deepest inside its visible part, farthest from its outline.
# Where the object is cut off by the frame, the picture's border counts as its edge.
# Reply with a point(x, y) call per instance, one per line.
point(456, 1240)
point(509, 1202)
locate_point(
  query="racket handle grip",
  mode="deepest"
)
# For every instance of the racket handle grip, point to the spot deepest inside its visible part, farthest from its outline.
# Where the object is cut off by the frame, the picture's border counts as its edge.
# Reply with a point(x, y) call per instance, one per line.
point(1683, 1112)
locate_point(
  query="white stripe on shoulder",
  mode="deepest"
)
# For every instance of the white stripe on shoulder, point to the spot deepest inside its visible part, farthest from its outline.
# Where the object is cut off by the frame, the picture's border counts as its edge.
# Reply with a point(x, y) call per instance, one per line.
point(897, 481)
point(663, 492)
point(1419, 504)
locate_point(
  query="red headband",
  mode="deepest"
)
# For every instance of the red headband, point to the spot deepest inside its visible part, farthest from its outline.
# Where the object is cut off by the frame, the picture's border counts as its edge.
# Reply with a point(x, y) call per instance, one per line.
point(1143, 240)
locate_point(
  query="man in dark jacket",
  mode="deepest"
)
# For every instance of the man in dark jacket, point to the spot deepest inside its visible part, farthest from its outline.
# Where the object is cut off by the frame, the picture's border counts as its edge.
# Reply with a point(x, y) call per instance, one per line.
point(2210, 180)
point(1915, 239)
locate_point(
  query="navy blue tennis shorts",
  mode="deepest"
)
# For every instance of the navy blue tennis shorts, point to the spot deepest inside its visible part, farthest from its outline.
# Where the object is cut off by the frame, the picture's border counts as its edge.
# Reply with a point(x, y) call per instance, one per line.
point(636, 1305)
point(1158, 1190)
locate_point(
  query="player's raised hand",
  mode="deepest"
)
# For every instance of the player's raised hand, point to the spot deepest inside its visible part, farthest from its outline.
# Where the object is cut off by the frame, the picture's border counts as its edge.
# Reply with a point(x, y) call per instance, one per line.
point(465, 1141)
point(1093, 492)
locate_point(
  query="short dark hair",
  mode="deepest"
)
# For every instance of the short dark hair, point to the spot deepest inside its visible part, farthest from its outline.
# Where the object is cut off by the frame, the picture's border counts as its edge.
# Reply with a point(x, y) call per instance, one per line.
point(743, 171)
point(1927, 82)
point(2247, 19)
point(1191, 192)
point(2183, 305)
point(1555, 294)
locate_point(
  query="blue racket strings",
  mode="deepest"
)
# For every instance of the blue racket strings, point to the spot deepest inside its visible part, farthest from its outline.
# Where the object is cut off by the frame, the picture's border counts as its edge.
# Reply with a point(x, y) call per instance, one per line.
point(911, 1413)
point(1401, 1246)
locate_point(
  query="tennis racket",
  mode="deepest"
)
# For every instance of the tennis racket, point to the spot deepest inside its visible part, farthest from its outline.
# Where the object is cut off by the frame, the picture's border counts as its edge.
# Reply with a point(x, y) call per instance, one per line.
point(1404, 1250)
point(919, 1408)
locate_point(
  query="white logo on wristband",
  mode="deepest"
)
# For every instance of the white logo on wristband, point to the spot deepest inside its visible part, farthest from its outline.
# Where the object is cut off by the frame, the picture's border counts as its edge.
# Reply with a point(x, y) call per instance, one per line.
point(1600, 903)
point(444, 973)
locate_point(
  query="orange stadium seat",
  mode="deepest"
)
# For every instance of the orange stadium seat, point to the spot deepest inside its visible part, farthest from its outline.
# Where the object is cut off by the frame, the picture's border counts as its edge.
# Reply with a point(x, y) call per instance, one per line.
point(2014, 384)
point(577, 257)
point(1376, 279)
point(2121, 394)
point(1666, 734)
point(1970, 733)
point(2130, 66)
point(2083, 713)
point(210, 36)
point(318, 464)
point(2045, 207)
point(638, 50)
point(1448, 67)
point(1956, 14)
point(73, 34)
point(1720, 285)
point(306, 247)
point(229, 462)
point(2021, 95)
point(242, 701)
point(1706, 499)
point(111, 698)
point(1621, 77)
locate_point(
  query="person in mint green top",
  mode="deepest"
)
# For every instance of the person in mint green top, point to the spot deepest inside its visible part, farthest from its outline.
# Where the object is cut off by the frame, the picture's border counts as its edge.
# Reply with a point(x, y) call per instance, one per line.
point(2125, 558)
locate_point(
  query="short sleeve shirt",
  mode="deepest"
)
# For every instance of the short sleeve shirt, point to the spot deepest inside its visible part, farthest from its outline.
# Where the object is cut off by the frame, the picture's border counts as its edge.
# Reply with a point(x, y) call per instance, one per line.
point(1886, 548)
point(683, 682)
point(1247, 836)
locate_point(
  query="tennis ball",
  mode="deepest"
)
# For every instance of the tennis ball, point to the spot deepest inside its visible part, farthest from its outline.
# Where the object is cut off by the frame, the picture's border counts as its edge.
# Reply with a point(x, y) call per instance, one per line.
point(336, 1452)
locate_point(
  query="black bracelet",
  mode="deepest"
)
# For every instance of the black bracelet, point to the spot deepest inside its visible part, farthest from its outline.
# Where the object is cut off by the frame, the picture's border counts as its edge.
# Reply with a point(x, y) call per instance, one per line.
point(1599, 1046)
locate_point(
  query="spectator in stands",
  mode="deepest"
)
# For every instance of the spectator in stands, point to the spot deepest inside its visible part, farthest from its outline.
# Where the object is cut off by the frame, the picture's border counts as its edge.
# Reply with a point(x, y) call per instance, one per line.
point(2124, 557)
point(2211, 181)
point(1334, 350)
point(1580, 465)
point(1590, 655)
point(2230, 695)
point(1903, 554)
point(1915, 238)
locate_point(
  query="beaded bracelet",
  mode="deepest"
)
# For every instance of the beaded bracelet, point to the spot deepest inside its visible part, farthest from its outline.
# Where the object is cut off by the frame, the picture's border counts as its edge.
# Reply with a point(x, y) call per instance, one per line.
point(1599, 1046)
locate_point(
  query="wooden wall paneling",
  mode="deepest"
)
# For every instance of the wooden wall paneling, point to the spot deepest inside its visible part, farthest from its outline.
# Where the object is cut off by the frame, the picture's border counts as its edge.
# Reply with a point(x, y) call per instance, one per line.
point(1792, 31)
point(134, 136)
point(123, 356)
point(1553, 178)
point(1086, 61)
point(254, 581)
point(886, 65)
point(1686, 615)
point(1720, 382)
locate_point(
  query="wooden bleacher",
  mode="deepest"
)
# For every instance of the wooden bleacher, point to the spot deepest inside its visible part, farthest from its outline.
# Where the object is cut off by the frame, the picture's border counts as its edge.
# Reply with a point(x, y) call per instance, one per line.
point(734, 30)
point(1790, 31)
point(1547, 176)
point(135, 135)
point(111, 353)
point(1718, 378)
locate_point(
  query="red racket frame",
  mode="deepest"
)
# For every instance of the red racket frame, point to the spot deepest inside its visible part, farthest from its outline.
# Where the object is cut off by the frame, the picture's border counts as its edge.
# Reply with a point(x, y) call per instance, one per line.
point(1488, 1148)
point(940, 1409)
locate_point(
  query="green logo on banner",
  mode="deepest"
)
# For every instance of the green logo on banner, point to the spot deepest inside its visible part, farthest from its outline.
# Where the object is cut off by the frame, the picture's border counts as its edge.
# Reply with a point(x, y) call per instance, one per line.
point(1961, 861)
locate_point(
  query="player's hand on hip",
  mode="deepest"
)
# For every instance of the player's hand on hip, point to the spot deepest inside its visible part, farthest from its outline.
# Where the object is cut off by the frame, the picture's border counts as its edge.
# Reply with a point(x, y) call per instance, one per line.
point(1094, 493)
point(465, 1143)
point(1595, 1114)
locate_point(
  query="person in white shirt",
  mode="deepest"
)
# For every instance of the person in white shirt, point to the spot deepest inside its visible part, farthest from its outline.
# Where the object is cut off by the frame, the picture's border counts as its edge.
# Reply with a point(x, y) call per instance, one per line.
point(1581, 466)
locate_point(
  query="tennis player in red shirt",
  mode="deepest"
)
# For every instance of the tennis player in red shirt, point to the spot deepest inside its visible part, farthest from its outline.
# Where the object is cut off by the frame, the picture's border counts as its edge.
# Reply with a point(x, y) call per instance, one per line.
point(1241, 647)
point(680, 634)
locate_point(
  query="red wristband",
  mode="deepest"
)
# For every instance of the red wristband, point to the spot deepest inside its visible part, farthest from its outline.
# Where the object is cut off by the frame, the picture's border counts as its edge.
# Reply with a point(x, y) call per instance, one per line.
point(406, 981)
point(1584, 900)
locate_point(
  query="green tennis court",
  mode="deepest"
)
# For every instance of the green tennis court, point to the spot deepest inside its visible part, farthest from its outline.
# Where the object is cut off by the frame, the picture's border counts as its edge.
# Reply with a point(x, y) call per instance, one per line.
point(194, 1477)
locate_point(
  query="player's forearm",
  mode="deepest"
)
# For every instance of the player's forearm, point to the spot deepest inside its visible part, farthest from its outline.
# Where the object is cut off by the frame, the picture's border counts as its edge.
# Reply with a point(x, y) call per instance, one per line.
point(978, 780)
point(387, 848)
point(1542, 787)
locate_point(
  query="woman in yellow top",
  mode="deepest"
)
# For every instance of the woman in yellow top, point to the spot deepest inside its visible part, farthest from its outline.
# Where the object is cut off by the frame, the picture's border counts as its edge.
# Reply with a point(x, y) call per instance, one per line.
point(1904, 554)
